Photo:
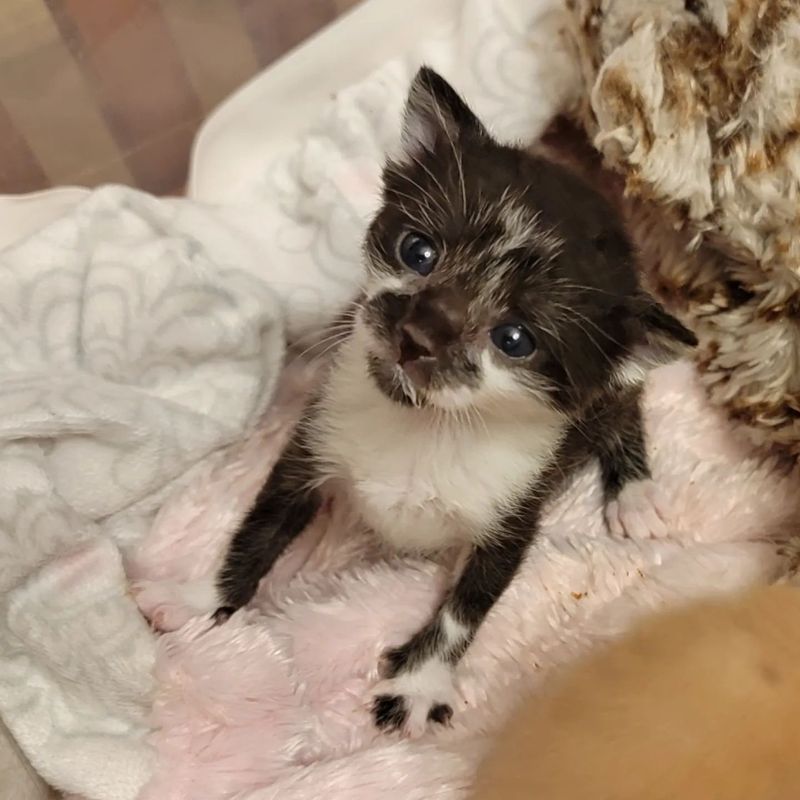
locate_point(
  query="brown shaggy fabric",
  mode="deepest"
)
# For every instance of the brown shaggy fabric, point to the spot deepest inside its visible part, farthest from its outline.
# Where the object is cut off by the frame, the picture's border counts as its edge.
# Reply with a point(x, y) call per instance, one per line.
point(696, 105)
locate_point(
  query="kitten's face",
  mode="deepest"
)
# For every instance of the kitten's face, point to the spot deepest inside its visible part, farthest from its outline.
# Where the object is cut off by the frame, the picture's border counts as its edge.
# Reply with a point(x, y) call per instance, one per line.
point(496, 277)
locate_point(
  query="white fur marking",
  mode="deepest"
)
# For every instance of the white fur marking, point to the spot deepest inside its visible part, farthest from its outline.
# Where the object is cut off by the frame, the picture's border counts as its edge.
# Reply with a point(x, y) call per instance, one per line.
point(453, 397)
point(429, 685)
point(386, 283)
point(631, 372)
point(454, 632)
point(523, 226)
point(423, 479)
point(496, 380)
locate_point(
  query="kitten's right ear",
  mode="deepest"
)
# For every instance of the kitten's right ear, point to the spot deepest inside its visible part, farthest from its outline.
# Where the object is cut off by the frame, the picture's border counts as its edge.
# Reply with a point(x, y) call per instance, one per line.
point(434, 112)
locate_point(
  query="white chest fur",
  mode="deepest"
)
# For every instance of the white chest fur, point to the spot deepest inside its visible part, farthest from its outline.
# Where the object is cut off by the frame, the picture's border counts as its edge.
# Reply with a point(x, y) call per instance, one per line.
point(420, 480)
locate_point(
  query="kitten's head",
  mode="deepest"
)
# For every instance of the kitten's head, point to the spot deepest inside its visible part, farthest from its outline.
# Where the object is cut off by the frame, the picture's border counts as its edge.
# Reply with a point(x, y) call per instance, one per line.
point(497, 277)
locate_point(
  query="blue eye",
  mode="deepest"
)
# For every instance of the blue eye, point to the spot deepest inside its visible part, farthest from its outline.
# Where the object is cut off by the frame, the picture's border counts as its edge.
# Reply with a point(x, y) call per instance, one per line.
point(514, 340)
point(418, 253)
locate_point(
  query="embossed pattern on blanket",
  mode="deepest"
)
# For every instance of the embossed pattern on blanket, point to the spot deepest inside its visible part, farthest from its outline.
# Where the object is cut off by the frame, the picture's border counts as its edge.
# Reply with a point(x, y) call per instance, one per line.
point(273, 704)
point(126, 358)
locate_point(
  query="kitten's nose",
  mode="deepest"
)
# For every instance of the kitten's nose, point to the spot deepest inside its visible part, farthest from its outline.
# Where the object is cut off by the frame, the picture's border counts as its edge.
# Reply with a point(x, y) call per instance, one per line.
point(434, 320)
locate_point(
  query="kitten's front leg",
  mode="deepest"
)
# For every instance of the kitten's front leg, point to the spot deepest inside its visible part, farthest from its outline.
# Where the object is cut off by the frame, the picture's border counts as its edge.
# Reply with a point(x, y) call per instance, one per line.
point(623, 454)
point(635, 505)
point(419, 688)
point(284, 507)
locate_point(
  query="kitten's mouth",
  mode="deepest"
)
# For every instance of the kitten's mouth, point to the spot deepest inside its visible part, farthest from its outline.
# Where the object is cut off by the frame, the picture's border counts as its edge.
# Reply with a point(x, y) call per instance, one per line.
point(394, 381)
point(400, 365)
point(415, 362)
point(410, 350)
point(418, 371)
point(403, 366)
point(415, 383)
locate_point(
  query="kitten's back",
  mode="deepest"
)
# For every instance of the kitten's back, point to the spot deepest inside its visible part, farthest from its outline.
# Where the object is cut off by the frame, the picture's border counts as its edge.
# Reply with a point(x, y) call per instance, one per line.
point(701, 703)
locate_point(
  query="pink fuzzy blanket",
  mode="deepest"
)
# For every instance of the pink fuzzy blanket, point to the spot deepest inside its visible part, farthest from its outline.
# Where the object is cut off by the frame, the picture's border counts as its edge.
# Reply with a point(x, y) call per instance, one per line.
point(272, 704)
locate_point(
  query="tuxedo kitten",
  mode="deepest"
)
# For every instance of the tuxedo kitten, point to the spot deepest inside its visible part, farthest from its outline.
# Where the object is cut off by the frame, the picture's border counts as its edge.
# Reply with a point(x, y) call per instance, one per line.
point(499, 345)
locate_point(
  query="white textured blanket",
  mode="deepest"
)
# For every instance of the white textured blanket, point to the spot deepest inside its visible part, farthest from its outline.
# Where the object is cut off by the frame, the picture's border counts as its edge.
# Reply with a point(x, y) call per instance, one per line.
point(129, 351)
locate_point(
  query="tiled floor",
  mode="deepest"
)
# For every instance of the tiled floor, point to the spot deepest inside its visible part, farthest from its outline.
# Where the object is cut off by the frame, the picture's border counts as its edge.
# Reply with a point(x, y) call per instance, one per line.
point(93, 91)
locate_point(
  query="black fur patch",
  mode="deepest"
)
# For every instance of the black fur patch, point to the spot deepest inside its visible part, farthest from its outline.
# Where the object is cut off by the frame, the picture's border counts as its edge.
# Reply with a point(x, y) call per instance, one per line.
point(617, 436)
point(520, 238)
point(441, 714)
point(390, 712)
point(425, 643)
point(283, 508)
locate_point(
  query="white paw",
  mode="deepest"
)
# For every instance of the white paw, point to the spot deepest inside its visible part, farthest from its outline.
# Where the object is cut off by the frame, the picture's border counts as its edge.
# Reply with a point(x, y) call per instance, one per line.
point(641, 511)
point(413, 701)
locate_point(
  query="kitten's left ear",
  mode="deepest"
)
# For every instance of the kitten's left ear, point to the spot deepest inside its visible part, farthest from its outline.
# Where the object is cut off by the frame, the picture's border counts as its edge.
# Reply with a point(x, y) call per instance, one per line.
point(434, 112)
point(662, 337)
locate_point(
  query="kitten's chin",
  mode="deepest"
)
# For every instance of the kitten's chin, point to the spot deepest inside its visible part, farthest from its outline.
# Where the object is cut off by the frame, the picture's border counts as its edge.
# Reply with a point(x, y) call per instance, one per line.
point(452, 398)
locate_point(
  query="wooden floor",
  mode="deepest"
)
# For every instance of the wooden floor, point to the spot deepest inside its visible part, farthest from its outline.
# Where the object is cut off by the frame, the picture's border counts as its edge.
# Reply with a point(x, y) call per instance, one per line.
point(93, 91)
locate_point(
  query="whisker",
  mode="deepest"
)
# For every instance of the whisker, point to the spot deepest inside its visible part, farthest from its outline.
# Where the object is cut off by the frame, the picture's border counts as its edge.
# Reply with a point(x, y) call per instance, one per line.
point(425, 193)
point(328, 342)
point(433, 177)
point(594, 343)
point(577, 316)
point(567, 284)
point(479, 418)
point(456, 156)
point(424, 208)
point(423, 223)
